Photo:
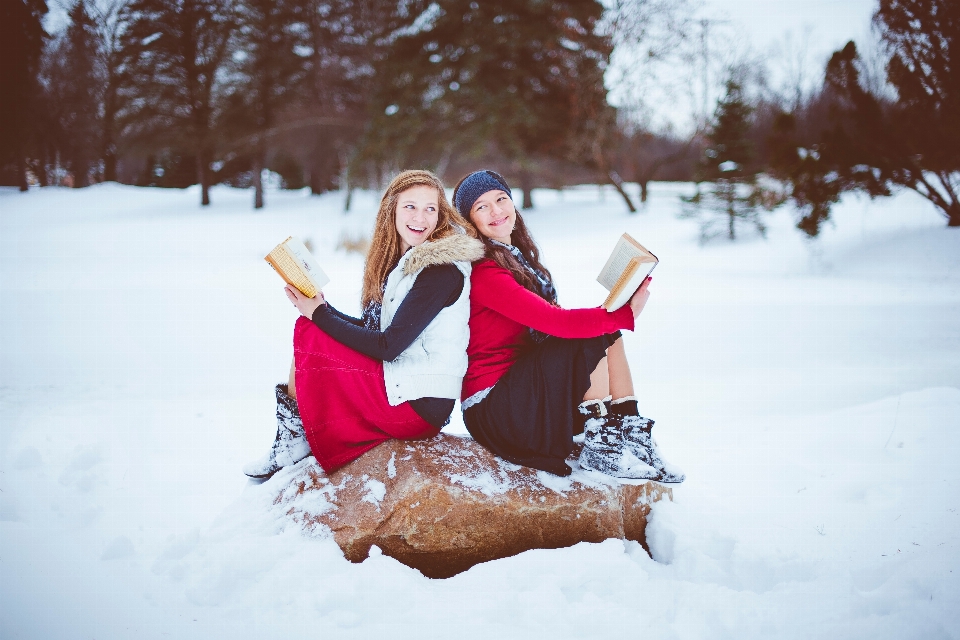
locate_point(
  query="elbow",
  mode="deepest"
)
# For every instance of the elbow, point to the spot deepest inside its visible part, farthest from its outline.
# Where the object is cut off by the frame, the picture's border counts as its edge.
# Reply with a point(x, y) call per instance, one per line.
point(389, 353)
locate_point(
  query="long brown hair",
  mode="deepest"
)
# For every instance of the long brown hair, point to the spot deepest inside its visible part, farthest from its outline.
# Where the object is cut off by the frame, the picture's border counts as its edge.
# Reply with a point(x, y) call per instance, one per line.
point(385, 246)
point(520, 238)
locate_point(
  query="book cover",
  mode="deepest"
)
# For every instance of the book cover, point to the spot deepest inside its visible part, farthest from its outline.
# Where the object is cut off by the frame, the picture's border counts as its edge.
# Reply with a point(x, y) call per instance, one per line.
point(297, 266)
point(625, 270)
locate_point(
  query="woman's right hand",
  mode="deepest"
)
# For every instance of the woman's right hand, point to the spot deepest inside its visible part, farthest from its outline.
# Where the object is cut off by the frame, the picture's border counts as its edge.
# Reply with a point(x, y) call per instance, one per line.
point(639, 298)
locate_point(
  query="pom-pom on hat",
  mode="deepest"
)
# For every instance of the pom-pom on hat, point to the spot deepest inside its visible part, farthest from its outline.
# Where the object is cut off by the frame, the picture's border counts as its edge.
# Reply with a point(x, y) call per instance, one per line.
point(475, 185)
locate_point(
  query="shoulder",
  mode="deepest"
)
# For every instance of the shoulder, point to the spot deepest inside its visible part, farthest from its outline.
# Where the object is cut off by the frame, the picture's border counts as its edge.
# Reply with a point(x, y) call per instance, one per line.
point(487, 268)
point(445, 251)
point(488, 274)
point(441, 275)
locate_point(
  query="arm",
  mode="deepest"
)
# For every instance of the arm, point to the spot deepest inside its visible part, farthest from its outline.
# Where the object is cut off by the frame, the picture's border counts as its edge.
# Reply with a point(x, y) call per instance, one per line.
point(435, 288)
point(354, 321)
point(495, 288)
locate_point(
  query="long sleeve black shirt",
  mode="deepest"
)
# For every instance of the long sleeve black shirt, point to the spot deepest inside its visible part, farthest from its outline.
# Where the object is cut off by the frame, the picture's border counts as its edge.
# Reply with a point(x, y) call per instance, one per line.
point(436, 287)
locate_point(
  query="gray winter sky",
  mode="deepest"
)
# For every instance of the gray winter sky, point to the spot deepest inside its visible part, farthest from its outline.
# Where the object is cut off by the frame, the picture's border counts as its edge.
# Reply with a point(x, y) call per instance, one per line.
point(766, 22)
point(783, 44)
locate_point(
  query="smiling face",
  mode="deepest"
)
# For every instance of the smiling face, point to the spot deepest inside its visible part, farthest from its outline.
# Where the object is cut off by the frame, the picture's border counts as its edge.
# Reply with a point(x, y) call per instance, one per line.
point(494, 215)
point(418, 210)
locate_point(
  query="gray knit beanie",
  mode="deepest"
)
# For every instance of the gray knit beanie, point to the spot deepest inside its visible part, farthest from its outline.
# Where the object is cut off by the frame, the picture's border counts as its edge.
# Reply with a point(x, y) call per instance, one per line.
point(475, 185)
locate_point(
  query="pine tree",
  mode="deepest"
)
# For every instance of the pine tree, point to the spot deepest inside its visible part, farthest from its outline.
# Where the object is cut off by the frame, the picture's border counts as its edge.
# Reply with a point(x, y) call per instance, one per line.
point(21, 45)
point(174, 51)
point(728, 162)
point(74, 84)
point(269, 35)
point(523, 76)
point(923, 126)
point(111, 24)
point(341, 42)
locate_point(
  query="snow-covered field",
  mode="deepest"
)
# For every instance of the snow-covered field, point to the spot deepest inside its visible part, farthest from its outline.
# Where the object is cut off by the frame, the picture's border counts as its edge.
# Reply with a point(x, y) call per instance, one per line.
point(811, 391)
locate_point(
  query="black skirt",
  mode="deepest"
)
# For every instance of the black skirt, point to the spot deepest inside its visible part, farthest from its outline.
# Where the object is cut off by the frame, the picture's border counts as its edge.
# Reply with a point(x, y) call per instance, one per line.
point(530, 416)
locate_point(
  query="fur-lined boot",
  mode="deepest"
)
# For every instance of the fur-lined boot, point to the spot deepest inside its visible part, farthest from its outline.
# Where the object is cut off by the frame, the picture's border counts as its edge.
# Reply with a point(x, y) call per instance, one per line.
point(638, 437)
point(289, 447)
point(603, 445)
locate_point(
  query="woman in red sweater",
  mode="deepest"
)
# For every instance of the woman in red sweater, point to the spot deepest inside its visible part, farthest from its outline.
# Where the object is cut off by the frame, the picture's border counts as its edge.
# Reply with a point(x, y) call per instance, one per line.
point(536, 371)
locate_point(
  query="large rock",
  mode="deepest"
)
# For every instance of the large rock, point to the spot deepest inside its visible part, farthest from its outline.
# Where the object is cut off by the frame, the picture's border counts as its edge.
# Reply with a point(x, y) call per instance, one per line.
point(445, 504)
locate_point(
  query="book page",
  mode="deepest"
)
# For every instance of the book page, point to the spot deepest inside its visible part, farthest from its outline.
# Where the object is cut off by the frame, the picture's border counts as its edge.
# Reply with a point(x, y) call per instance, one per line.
point(630, 281)
point(307, 262)
point(297, 266)
point(625, 249)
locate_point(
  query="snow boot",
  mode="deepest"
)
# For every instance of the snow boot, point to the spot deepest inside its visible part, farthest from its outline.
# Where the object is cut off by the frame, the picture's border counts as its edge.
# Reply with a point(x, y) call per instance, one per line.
point(603, 446)
point(289, 447)
point(638, 438)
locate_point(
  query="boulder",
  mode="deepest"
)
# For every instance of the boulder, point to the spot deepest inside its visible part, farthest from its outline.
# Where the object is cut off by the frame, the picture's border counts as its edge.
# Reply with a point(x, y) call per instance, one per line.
point(445, 504)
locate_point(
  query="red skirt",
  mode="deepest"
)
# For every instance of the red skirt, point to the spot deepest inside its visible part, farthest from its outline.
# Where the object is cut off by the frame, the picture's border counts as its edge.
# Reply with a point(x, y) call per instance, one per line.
point(343, 400)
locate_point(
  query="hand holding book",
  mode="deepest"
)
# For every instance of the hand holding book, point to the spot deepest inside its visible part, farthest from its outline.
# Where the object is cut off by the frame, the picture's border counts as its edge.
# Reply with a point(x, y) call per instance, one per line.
point(626, 270)
point(303, 275)
point(306, 306)
point(640, 297)
point(297, 266)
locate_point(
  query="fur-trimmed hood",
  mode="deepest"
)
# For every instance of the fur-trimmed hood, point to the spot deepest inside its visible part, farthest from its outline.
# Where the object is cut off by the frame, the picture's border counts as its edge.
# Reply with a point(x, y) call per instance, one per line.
point(456, 248)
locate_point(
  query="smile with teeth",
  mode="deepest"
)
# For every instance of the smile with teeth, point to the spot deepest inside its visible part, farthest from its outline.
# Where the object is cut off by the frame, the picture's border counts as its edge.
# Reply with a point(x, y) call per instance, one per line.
point(417, 229)
point(498, 222)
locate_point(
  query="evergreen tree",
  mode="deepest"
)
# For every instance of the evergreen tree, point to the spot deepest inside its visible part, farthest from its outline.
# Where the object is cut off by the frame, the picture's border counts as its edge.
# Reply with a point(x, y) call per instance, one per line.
point(269, 36)
point(525, 76)
point(111, 25)
point(341, 42)
point(21, 45)
point(874, 143)
point(728, 162)
point(74, 85)
point(923, 39)
point(173, 53)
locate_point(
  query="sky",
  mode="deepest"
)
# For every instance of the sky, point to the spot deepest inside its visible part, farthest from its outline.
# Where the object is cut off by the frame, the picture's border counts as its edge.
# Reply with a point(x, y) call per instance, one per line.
point(766, 22)
point(782, 43)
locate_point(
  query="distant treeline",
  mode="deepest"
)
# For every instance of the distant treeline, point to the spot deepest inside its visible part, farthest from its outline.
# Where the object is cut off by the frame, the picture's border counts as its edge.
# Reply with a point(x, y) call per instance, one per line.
point(337, 94)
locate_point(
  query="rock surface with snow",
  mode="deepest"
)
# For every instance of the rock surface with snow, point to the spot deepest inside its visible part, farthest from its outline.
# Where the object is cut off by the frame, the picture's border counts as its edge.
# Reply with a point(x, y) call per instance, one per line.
point(446, 504)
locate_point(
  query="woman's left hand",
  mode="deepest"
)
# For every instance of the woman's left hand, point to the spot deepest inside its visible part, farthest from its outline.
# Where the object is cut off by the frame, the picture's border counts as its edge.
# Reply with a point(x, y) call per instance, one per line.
point(306, 305)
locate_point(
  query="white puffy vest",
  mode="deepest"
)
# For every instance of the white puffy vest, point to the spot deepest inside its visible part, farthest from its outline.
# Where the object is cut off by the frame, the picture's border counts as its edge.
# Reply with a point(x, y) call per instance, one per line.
point(433, 365)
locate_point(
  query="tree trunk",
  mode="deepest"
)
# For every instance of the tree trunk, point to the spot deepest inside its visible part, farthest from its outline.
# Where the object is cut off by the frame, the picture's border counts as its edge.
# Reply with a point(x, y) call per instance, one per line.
point(203, 175)
point(953, 215)
point(42, 177)
point(22, 171)
point(109, 167)
point(617, 182)
point(527, 188)
point(316, 178)
point(258, 182)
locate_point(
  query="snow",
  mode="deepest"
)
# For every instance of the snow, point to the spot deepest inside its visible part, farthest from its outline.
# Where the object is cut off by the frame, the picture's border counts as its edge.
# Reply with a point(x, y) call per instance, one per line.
point(810, 391)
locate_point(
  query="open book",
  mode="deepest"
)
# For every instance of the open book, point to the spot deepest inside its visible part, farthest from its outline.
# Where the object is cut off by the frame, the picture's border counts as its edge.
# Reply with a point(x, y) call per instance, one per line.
point(297, 266)
point(625, 270)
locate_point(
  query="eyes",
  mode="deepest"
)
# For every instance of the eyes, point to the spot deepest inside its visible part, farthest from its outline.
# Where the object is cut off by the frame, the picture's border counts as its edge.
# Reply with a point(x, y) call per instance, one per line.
point(484, 206)
point(428, 208)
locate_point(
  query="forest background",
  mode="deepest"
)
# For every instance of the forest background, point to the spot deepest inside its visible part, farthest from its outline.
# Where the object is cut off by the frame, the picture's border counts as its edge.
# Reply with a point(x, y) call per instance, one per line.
point(341, 94)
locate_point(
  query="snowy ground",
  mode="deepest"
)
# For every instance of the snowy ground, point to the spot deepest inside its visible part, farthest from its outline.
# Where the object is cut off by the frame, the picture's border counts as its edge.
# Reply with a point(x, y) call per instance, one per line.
point(810, 391)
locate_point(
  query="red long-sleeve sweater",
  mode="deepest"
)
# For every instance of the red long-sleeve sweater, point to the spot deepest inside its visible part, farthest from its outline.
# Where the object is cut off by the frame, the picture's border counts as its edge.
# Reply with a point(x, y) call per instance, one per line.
point(501, 311)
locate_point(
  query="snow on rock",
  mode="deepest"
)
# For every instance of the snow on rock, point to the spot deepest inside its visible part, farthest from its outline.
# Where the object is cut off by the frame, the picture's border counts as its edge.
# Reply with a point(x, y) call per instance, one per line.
point(446, 504)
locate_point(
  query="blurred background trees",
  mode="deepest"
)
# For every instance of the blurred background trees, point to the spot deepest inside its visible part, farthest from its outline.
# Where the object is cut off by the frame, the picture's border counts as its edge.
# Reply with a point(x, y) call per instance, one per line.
point(335, 94)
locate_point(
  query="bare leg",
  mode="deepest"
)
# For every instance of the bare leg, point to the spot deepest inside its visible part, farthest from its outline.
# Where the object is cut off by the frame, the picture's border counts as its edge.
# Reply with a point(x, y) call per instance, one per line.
point(621, 382)
point(292, 383)
point(612, 375)
point(599, 382)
